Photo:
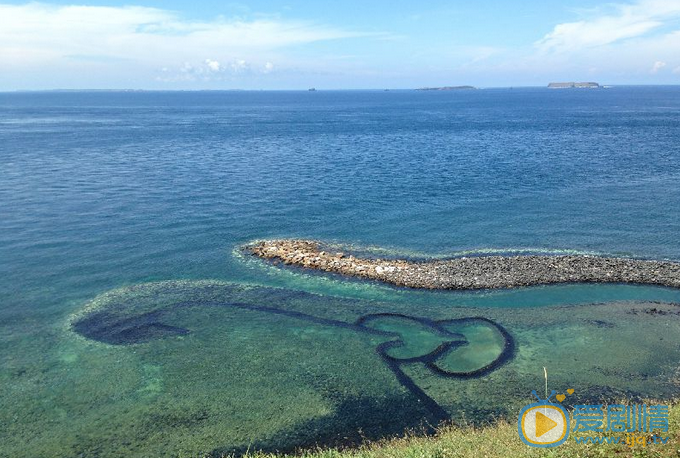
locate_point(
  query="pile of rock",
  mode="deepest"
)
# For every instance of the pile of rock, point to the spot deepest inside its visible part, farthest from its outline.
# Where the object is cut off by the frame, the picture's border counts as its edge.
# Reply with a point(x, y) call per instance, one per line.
point(475, 272)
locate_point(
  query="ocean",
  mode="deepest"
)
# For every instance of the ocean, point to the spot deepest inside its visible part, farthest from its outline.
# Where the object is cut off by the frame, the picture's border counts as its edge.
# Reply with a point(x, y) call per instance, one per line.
point(132, 324)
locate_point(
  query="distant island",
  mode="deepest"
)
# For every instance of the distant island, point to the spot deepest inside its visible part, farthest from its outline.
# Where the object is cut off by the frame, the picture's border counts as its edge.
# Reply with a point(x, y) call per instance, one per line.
point(571, 84)
point(446, 88)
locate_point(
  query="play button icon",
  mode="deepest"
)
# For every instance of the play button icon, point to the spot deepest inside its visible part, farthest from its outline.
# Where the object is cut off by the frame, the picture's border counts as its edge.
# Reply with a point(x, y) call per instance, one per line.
point(543, 424)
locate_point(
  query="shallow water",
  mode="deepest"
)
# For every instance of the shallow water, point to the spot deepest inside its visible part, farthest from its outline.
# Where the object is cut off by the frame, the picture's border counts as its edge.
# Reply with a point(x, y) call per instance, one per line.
point(116, 208)
point(187, 366)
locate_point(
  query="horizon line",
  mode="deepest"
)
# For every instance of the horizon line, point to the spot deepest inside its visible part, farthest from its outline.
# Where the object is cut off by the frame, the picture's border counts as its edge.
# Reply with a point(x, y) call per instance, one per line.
point(314, 89)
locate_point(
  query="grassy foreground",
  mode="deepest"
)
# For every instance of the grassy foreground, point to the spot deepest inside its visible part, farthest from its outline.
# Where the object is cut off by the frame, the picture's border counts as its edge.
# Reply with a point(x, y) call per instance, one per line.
point(497, 440)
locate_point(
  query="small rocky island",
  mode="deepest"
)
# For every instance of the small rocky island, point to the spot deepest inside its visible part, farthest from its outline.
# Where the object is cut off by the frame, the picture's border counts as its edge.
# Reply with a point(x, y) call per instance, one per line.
point(446, 88)
point(572, 85)
point(470, 272)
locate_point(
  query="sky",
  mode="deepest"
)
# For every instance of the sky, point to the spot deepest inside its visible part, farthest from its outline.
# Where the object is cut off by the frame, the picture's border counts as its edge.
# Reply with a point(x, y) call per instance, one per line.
point(343, 44)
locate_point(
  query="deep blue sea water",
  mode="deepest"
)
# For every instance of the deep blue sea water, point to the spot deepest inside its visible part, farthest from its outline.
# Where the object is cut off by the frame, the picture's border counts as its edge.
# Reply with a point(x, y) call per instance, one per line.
point(103, 190)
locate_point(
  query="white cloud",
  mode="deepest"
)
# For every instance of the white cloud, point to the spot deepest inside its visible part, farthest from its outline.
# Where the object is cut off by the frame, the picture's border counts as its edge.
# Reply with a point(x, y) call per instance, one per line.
point(38, 35)
point(625, 21)
point(45, 45)
point(239, 66)
point(610, 44)
point(210, 70)
point(483, 52)
point(213, 65)
point(658, 65)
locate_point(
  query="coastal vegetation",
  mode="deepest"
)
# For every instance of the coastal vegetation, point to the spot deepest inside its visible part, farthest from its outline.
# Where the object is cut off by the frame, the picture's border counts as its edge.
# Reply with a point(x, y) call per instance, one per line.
point(498, 440)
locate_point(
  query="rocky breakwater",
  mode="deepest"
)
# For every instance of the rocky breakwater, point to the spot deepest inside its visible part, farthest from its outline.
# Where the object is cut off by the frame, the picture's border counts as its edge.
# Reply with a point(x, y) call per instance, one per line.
point(471, 272)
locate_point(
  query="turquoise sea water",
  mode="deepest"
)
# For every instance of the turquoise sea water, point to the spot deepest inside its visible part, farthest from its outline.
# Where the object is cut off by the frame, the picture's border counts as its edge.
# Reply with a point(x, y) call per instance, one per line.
point(125, 211)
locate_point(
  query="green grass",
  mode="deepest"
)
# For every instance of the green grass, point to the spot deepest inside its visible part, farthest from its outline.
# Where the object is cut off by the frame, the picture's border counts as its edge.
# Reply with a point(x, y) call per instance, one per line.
point(497, 440)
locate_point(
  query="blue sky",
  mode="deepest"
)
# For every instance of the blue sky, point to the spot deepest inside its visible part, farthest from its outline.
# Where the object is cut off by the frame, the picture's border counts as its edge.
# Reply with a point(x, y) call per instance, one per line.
point(268, 44)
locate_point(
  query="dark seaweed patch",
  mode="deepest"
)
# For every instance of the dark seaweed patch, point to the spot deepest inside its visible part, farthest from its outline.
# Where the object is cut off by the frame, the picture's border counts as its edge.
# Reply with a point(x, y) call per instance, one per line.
point(112, 329)
point(600, 323)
